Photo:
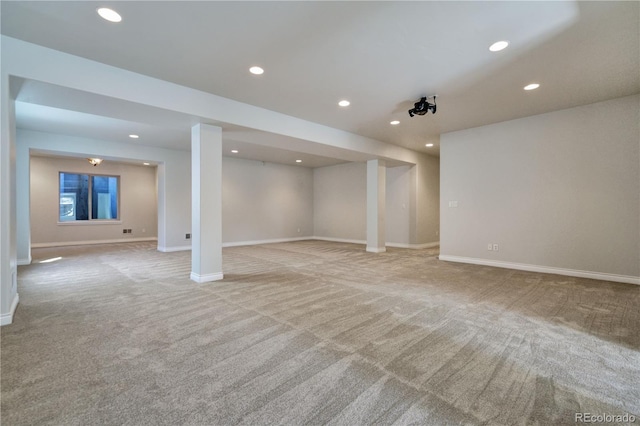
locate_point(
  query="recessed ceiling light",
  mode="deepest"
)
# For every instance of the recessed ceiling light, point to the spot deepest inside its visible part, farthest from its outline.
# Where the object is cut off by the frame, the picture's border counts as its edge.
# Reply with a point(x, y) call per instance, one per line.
point(256, 70)
point(234, 151)
point(146, 164)
point(298, 161)
point(134, 136)
point(532, 86)
point(109, 14)
point(498, 46)
point(429, 145)
point(394, 122)
point(344, 103)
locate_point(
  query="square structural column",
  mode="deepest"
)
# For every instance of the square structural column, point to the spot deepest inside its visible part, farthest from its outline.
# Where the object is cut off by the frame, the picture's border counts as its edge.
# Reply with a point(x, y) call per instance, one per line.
point(376, 206)
point(206, 203)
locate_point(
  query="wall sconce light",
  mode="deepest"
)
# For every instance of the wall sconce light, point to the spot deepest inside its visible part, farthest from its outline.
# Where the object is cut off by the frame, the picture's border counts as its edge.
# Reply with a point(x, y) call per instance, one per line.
point(95, 161)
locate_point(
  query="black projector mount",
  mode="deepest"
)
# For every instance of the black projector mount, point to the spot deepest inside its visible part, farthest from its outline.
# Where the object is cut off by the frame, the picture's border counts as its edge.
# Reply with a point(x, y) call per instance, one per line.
point(423, 106)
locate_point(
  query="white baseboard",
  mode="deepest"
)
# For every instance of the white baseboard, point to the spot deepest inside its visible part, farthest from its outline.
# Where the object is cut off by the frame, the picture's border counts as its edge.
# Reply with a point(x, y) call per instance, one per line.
point(22, 262)
point(228, 244)
point(207, 277)
point(339, 240)
point(256, 242)
point(172, 249)
point(238, 243)
point(376, 249)
point(414, 246)
point(627, 279)
point(6, 319)
point(397, 245)
point(91, 242)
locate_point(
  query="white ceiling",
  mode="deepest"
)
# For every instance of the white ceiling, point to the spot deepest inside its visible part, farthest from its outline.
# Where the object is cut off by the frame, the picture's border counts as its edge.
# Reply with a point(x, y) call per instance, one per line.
point(382, 56)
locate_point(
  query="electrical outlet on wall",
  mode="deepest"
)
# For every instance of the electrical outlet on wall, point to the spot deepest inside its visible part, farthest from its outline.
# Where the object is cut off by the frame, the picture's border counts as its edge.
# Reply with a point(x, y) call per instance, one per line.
point(490, 247)
point(187, 236)
point(495, 247)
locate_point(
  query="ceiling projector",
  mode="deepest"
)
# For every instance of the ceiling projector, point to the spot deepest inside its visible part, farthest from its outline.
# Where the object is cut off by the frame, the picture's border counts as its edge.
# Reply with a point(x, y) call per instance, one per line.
point(423, 106)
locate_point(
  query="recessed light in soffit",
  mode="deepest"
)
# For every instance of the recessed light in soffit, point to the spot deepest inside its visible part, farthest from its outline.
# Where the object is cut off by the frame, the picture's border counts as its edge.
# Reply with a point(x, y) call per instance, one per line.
point(344, 103)
point(109, 14)
point(532, 86)
point(256, 70)
point(498, 46)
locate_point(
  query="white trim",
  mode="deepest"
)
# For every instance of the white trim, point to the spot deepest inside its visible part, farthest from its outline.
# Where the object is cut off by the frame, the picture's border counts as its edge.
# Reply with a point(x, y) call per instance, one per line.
point(240, 243)
point(7, 319)
point(414, 246)
point(376, 249)
point(272, 241)
point(339, 240)
point(22, 262)
point(627, 279)
point(172, 249)
point(228, 244)
point(387, 244)
point(90, 222)
point(206, 278)
point(91, 242)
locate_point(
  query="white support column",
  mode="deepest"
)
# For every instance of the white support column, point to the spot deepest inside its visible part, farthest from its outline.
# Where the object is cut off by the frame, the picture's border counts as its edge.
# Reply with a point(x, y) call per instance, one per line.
point(206, 203)
point(161, 190)
point(9, 297)
point(376, 206)
point(23, 204)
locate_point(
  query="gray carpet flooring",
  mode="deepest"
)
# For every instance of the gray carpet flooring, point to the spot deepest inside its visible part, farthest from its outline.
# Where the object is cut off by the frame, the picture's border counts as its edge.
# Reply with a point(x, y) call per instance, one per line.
point(311, 333)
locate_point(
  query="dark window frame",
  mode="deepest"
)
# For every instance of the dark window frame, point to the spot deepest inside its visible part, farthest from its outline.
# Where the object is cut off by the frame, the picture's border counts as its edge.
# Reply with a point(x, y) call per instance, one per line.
point(90, 219)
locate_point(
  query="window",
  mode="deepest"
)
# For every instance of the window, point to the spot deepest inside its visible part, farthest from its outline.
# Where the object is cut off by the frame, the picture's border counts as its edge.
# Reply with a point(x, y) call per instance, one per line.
point(88, 197)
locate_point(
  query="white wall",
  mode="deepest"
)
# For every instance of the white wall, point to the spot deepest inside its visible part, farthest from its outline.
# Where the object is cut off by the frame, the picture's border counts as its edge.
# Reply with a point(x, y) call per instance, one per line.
point(426, 199)
point(340, 201)
point(398, 205)
point(557, 190)
point(412, 203)
point(138, 202)
point(265, 201)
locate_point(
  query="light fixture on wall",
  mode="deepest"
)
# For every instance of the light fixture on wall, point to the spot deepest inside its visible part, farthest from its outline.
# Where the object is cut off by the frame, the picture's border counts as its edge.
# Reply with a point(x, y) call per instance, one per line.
point(95, 161)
